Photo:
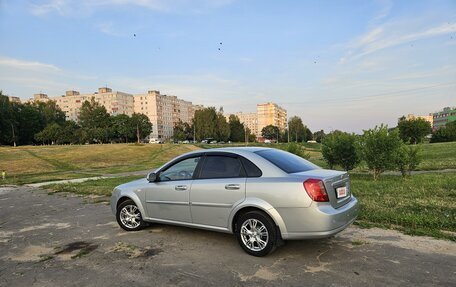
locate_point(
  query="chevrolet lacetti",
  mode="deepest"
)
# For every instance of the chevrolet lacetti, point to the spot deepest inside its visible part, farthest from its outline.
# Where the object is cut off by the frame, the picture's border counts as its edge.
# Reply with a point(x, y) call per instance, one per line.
point(262, 195)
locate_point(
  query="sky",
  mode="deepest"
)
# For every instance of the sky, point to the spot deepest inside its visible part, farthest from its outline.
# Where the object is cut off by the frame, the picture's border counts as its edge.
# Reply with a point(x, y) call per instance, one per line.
point(347, 65)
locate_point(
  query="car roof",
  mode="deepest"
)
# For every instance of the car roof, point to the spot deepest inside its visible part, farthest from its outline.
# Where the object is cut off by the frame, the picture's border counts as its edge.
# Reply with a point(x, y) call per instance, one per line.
point(241, 150)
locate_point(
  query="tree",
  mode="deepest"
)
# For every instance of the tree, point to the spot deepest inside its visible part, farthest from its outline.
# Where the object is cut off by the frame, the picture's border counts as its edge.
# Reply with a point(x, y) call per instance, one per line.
point(414, 130)
point(122, 128)
point(51, 112)
point(379, 149)
point(94, 120)
point(6, 120)
point(205, 123)
point(50, 134)
point(222, 128)
point(237, 129)
point(182, 131)
point(342, 149)
point(446, 133)
point(309, 134)
point(70, 133)
point(270, 132)
point(250, 136)
point(27, 122)
point(297, 129)
point(319, 136)
point(142, 125)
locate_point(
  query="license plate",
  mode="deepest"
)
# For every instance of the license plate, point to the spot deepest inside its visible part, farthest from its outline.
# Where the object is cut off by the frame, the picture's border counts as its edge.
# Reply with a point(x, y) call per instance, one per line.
point(341, 192)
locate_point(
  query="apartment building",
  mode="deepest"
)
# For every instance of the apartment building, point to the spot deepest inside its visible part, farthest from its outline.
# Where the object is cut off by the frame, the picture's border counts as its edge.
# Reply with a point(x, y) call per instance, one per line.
point(163, 112)
point(266, 114)
point(443, 117)
point(428, 118)
point(115, 102)
point(250, 120)
point(271, 114)
point(13, 99)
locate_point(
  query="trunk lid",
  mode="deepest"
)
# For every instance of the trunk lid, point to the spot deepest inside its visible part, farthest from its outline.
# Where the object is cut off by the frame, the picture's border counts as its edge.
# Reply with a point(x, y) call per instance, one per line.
point(333, 180)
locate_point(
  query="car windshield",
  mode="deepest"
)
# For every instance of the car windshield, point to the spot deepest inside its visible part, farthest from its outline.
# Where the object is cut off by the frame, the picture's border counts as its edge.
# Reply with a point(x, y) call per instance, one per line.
point(286, 161)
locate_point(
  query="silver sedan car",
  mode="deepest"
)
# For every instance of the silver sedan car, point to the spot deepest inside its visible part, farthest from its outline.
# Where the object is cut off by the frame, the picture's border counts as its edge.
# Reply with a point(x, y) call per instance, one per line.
point(262, 195)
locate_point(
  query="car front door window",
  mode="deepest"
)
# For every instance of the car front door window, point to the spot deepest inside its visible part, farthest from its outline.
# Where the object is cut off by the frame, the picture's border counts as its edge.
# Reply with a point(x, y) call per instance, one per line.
point(182, 170)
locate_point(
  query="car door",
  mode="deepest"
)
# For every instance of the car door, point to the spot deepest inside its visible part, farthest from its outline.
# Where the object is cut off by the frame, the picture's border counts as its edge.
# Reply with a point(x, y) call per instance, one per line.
point(169, 197)
point(219, 185)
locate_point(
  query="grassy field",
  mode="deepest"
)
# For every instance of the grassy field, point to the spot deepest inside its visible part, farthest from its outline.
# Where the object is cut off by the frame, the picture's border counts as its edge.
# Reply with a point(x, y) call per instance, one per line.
point(438, 156)
point(44, 163)
point(424, 204)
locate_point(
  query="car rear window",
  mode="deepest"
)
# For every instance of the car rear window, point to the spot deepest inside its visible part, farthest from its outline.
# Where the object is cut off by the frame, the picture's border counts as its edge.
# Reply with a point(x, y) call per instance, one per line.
point(286, 161)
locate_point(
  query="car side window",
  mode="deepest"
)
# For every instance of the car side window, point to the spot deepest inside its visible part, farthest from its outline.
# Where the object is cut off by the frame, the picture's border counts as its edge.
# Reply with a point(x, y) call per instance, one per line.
point(221, 167)
point(180, 171)
point(251, 169)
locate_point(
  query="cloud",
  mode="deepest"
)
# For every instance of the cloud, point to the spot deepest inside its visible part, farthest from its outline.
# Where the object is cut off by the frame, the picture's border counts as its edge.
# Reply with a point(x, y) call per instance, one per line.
point(108, 29)
point(26, 65)
point(74, 7)
point(391, 35)
point(387, 5)
point(49, 7)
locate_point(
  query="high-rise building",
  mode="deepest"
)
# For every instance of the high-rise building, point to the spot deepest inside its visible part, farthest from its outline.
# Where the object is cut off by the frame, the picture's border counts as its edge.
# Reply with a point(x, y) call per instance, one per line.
point(266, 114)
point(164, 112)
point(271, 114)
point(115, 102)
point(250, 120)
point(443, 117)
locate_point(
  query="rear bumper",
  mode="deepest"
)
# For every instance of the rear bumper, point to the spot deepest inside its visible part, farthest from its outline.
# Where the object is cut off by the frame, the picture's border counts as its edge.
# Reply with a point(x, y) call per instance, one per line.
point(319, 220)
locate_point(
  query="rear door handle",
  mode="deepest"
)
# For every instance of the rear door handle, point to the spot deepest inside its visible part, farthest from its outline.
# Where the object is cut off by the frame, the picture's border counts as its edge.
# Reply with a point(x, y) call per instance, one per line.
point(180, 187)
point(232, 186)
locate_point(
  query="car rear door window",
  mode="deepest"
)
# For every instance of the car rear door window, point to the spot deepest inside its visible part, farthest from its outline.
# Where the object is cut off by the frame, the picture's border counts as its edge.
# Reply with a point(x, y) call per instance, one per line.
point(221, 167)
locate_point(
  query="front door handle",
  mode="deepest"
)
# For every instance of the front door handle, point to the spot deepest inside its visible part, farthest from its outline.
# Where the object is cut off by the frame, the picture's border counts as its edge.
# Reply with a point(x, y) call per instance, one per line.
point(232, 186)
point(180, 187)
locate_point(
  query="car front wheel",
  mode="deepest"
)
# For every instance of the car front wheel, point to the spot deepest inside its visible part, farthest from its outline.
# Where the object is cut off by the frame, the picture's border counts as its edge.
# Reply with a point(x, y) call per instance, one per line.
point(256, 233)
point(129, 217)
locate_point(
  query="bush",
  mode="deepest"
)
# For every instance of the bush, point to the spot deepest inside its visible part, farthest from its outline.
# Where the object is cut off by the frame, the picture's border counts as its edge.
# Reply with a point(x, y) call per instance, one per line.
point(297, 149)
point(380, 149)
point(339, 148)
point(445, 134)
point(407, 159)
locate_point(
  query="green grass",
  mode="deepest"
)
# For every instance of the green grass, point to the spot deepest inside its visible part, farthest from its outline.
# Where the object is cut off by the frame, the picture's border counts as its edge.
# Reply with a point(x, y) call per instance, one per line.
point(29, 164)
point(423, 204)
point(101, 187)
point(438, 156)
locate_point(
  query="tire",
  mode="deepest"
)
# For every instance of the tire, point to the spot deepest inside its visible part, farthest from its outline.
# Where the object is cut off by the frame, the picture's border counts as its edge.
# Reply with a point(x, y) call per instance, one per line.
point(256, 233)
point(129, 217)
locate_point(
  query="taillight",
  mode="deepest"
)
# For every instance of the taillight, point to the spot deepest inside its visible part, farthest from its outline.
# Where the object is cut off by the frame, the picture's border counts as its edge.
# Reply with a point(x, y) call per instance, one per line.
point(316, 190)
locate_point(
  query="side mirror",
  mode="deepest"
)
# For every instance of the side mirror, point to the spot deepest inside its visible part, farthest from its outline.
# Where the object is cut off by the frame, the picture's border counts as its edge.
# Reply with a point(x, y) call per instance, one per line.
point(151, 177)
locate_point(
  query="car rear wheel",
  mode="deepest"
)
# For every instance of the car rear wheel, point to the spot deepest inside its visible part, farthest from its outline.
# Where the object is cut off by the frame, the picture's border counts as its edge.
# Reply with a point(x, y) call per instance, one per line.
point(129, 217)
point(256, 233)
